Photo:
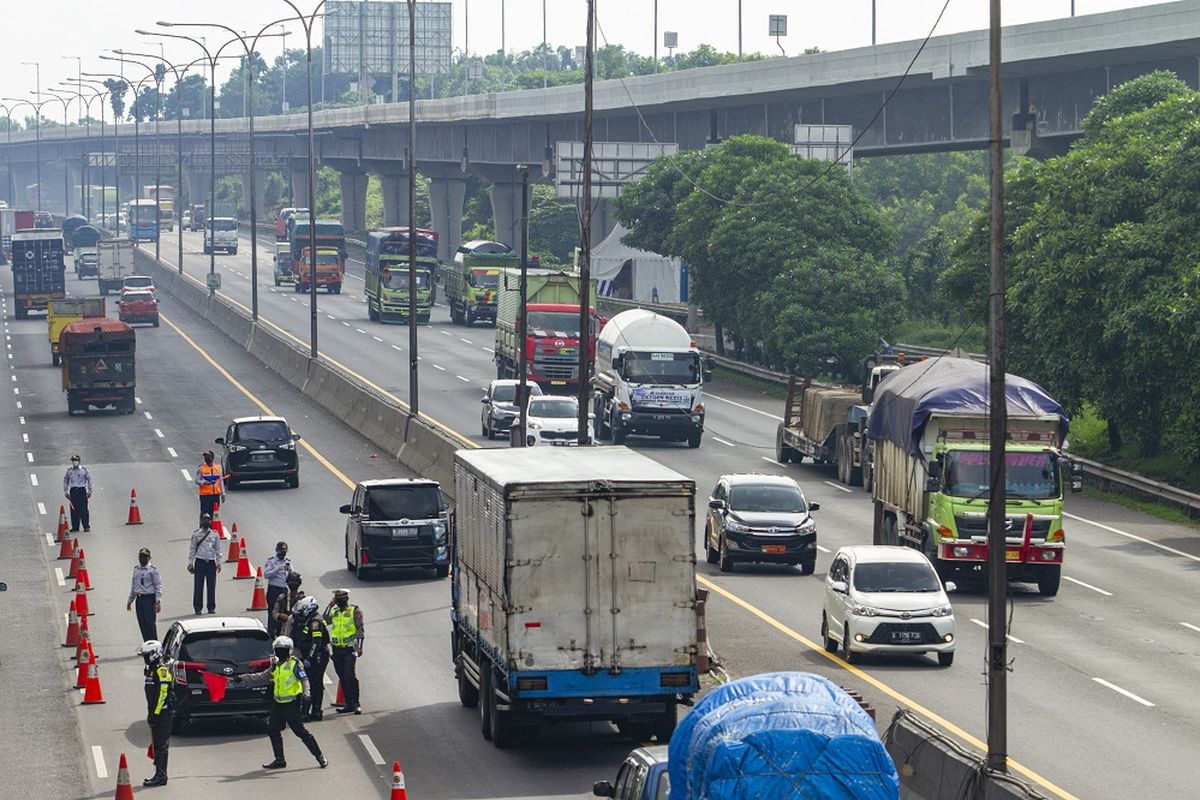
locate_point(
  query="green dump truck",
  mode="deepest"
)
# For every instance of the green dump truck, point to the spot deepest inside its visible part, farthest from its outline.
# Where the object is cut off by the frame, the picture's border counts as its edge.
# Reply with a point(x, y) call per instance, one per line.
point(387, 273)
point(473, 278)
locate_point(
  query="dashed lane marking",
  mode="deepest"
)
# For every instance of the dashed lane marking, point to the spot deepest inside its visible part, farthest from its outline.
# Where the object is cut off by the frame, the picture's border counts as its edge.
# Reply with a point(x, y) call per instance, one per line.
point(42, 509)
point(439, 366)
point(1124, 692)
point(186, 475)
point(468, 341)
point(147, 413)
point(58, 575)
point(50, 539)
point(29, 457)
point(839, 487)
point(489, 350)
point(18, 404)
point(1096, 589)
point(396, 347)
point(25, 438)
point(770, 460)
point(332, 317)
point(1190, 626)
point(22, 419)
point(158, 433)
point(376, 338)
point(445, 333)
point(171, 450)
point(722, 441)
point(33, 479)
point(98, 758)
point(1008, 636)
point(137, 400)
point(464, 380)
point(360, 330)
point(371, 749)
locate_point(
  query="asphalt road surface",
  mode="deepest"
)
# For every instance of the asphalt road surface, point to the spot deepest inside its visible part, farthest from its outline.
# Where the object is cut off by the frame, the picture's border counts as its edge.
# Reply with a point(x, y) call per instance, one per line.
point(1100, 701)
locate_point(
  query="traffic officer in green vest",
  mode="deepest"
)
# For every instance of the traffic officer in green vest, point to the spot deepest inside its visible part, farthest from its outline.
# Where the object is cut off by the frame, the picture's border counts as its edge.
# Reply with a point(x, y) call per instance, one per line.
point(346, 634)
point(160, 708)
point(290, 689)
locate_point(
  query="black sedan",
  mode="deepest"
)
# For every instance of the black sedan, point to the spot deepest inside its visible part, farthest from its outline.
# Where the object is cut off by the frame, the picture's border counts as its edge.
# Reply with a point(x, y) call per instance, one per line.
point(259, 449)
point(760, 518)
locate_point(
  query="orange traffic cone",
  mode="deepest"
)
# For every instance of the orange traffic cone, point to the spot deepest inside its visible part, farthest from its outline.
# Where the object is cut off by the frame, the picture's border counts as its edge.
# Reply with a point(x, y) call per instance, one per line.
point(72, 639)
point(81, 604)
point(340, 700)
point(74, 569)
point(85, 640)
point(92, 695)
point(62, 524)
point(82, 581)
point(233, 530)
point(243, 565)
point(216, 522)
point(235, 549)
point(67, 548)
point(398, 790)
point(135, 514)
point(85, 658)
point(124, 789)
point(258, 601)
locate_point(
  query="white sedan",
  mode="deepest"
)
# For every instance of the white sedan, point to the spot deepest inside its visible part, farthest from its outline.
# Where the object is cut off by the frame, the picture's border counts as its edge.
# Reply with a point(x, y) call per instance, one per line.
point(553, 419)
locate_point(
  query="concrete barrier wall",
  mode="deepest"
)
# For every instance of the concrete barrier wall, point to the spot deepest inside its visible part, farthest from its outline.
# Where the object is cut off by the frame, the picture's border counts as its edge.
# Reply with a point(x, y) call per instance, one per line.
point(418, 445)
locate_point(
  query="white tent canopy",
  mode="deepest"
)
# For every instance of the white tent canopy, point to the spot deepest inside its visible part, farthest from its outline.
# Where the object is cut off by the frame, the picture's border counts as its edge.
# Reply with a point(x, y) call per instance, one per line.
point(628, 273)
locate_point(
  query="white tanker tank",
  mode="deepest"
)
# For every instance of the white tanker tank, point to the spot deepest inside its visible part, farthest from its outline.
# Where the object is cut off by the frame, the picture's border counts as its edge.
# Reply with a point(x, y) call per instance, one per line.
point(648, 380)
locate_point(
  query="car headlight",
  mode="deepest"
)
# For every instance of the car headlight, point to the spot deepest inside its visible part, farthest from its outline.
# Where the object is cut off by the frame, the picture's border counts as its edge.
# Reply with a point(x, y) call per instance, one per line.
point(736, 527)
point(236, 448)
point(535, 426)
point(864, 611)
point(288, 446)
point(806, 527)
point(439, 531)
point(942, 611)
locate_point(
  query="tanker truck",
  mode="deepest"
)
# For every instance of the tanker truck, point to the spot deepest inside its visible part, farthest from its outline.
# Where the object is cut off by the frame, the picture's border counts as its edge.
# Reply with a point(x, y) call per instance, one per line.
point(648, 379)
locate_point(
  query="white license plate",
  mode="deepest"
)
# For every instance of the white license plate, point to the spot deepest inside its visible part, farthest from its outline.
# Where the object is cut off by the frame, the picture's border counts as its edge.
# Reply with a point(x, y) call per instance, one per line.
point(406, 533)
point(261, 456)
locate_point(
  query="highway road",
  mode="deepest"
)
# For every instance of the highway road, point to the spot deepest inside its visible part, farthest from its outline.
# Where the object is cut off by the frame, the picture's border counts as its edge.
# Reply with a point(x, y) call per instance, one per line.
point(1101, 673)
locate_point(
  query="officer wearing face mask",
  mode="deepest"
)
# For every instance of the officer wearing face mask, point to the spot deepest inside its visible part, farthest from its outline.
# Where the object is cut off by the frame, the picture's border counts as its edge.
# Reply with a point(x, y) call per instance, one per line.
point(145, 592)
point(289, 690)
point(160, 708)
point(346, 634)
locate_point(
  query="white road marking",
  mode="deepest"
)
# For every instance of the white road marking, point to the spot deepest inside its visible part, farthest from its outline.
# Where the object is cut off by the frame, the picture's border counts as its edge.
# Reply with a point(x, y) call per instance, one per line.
point(331, 316)
point(722, 441)
point(22, 419)
point(171, 450)
point(186, 475)
point(744, 407)
point(376, 338)
point(29, 457)
point(395, 347)
point(18, 404)
point(1125, 692)
point(347, 324)
point(98, 757)
point(137, 400)
point(42, 509)
point(439, 366)
point(58, 575)
point(770, 460)
point(445, 333)
point(823, 549)
point(16, 390)
point(158, 433)
point(1136, 538)
point(1008, 636)
point(147, 413)
point(839, 487)
point(14, 378)
point(464, 380)
point(468, 341)
point(33, 479)
point(1087, 586)
point(371, 749)
point(490, 350)
point(1190, 626)
point(25, 438)
point(360, 330)
point(50, 539)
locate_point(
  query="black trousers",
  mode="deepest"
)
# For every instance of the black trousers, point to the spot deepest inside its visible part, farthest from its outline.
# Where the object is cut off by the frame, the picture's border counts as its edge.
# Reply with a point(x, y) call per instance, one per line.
point(207, 501)
point(344, 663)
point(315, 667)
point(79, 508)
point(160, 735)
point(291, 715)
point(205, 573)
point(273, 593)
point(143, 606)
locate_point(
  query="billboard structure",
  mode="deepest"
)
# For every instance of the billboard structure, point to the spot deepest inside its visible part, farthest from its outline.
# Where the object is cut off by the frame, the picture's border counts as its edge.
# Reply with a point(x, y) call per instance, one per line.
point(370, 39)
point(614, 164)
point(825, 143)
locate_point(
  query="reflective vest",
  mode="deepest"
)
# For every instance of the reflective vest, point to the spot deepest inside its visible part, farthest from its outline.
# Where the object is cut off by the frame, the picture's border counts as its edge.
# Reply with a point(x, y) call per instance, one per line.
point(287, 681)
point(342, 629)
point(207, 488)
point(158, 690)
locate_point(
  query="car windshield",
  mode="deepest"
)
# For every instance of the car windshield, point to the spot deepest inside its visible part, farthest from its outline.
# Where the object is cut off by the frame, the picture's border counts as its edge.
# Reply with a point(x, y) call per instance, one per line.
point(327, 258)
point(387, 503)
point(554, 408)
point(262, 431)
point(230, 647)
point(563, 324)
point(224, 224)
point(767, 499)
point(662, 367)
point(507, 392)
point(138, 283)
point(136, 297)
point(485, 278)
point(398, 279)
point(1028, 475)
point(663, 790)
point(895, 577)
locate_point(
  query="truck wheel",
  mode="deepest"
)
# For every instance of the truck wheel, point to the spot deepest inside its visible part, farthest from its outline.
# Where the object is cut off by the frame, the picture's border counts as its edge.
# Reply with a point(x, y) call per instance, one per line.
point(372, 312)
point(693, 439)
point(487, 699)
point(470, 318)
point(277, 281)
point(664, 726)
point(468, 695)
point(855, 476)
point(1048, 580)
point(724, 560)
point(783, 453)
point(21, 311)
point(831, 646)
point(868, 478)
point(335, 288)
point(442, 570)
point(504, 728)
point(618, 434)
point(603, 429)
point(889, 530)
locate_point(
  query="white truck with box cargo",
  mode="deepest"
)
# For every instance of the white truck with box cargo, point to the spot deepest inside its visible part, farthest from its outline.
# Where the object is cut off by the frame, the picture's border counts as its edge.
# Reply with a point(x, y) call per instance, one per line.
point(573, 591)
point(114, 263)
point(648, 380)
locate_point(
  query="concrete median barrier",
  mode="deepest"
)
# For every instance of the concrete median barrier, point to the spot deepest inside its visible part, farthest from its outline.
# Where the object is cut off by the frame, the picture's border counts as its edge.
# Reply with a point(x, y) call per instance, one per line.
point(417, 444)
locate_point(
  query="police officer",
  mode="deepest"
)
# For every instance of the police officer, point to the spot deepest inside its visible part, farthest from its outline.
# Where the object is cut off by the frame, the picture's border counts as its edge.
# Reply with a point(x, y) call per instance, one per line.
point(145, 590)
point(210, 484)
point(281, 608)
point(346, 634)
point(276, 570)
point(159, 708)
point(290, 687)
point(77, 488)
point(311, 636)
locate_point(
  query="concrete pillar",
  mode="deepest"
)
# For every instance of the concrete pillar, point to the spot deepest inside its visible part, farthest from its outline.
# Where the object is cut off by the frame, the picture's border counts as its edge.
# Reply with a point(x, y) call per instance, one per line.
point(395, 199)
point(446, 197)
point(260, 192)
point(197, 186)
point(354, 200)
point(604, 221)
point(299, 183)
point(506, 211)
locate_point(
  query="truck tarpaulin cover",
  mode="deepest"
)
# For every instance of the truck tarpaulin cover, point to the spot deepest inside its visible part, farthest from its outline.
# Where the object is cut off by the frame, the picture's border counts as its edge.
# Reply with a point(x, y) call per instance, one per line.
point(906, 399)
point(780, 736)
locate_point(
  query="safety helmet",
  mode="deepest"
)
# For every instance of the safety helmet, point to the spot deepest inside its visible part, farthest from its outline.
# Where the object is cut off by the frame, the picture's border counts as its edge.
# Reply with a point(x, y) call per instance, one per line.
point(293, 577)
point(282, 643)
point(305, 607)
point(151, 650)
point(341, 592)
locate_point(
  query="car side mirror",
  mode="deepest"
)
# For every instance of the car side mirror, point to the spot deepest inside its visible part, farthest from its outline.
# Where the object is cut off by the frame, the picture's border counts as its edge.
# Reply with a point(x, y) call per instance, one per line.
point(3, 586)
point(838, 586)
point(603, 789)
point(950, 586)
point(219, 440)
point(1075, 470)
point(485, 400)
point(295, 437)
point(933, 480)
point(814, 506)
point(346, 509)
point(716, 504)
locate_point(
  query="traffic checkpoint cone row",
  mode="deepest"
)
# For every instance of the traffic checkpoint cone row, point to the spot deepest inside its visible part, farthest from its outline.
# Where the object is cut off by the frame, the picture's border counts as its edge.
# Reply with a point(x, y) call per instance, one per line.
point(235, 548)
point(124, 788)
point(82, 581)
point(258, 600)
point(81, 604)
point(85, 640)
point(74, 568)
point(135, 513)
point(216, 522)
point(243, 565)
point(92, 694)
point(66, 548)
point(399, 792)
point(85, 658)
point(62, 524)
point(72, 639)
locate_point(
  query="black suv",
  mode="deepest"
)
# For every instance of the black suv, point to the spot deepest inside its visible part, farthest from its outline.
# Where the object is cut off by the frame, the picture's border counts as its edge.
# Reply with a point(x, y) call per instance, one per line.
point(397, 522)
point(224, 646)
point(760, 518)
point(259, 449)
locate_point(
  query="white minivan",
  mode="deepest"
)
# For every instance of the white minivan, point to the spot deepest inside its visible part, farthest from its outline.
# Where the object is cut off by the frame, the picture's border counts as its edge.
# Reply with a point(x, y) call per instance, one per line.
point(221, 233)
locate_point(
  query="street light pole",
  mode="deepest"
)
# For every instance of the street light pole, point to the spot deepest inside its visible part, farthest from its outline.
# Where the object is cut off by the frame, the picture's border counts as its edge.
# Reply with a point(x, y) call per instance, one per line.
point(152, 73)
point(37, 139)
point(414, 398)
point(12, 200)
point(100, 96)
point(523, 332)
point(585, 244)
point(86, 111)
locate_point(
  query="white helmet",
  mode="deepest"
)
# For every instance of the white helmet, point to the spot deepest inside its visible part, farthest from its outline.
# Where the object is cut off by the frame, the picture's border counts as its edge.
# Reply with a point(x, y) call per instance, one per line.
point(281, 643)
point(305, 606)
point(151, 650)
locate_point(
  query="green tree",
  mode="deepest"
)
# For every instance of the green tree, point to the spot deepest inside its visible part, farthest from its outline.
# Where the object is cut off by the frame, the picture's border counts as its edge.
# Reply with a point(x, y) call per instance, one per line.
point(553, 226)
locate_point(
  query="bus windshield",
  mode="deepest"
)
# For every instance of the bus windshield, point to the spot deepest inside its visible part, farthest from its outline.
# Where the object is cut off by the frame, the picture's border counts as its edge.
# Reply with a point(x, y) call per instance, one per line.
point(144, 215)
point(1029, 475)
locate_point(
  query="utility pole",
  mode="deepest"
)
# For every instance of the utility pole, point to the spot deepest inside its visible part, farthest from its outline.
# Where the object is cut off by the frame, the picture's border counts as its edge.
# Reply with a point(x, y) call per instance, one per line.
point(413, 401)
point(997, 655)
point(585, 246)
point(523, 328)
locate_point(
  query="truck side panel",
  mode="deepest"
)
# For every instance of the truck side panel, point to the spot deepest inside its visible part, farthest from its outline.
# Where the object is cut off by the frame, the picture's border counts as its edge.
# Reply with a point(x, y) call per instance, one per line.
point(900, 479)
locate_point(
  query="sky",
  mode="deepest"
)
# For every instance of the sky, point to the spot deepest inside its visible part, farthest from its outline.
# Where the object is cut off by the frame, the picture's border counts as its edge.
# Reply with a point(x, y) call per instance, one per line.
point(33, 35)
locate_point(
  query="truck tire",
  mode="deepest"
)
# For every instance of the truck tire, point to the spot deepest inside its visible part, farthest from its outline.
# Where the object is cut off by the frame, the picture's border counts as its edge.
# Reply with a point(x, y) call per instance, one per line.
point(868, 477)
point(468, 695)
point(1048, 580)
point(21, 311)
point(664, 726)
point(603, 429)
point(487, 699)
point(783, 453)
point(618, 434)
point(335, 288)
point(372, 311)
point(504, 729)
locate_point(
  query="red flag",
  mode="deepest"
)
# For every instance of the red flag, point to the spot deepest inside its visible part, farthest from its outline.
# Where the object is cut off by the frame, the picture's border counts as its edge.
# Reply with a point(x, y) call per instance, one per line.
point(216, 686)
point(150, 751)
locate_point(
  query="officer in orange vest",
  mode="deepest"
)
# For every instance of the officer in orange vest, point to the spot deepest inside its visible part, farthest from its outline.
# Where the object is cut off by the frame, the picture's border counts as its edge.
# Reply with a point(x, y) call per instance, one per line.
point(211, 484)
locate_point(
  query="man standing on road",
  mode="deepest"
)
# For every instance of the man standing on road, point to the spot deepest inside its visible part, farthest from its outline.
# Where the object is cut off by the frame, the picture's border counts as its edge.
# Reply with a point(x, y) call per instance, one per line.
point(159, 708)
point(281, 609)
point(210, 483)
point(290, 688)
point(276, 571)
point(146, 592)
point(346, 633)
point(311, 637)
point(204, 562)
point(77, 488)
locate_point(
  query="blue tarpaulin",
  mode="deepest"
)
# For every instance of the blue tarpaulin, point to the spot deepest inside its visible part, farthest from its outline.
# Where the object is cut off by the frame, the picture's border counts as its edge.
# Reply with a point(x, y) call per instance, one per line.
point(780, 736)
point(905, 399)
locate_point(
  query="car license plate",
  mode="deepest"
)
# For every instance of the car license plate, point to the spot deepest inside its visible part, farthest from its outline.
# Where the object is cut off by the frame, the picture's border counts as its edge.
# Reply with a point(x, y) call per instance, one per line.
point(774, 549)
point(1012, 555)
point(903, 637)
point(558, 383)
point(406, 533)
point(261, 456)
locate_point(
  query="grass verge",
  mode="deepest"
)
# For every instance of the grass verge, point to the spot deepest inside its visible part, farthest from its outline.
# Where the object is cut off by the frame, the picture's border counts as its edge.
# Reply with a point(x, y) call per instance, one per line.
point(1165, 513)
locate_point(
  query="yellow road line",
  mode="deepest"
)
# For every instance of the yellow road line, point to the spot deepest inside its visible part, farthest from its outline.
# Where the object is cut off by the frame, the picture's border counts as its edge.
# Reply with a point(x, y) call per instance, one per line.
point(325, 462)
point(902, 699)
